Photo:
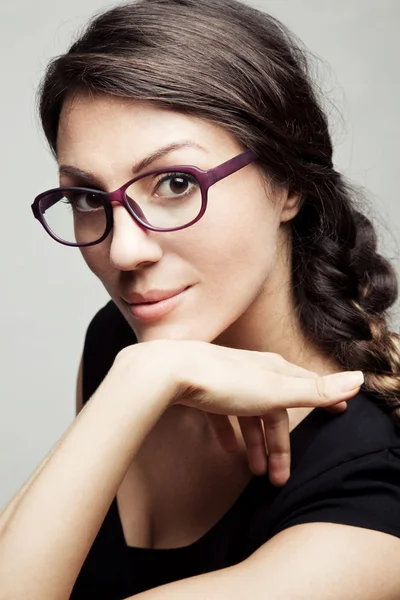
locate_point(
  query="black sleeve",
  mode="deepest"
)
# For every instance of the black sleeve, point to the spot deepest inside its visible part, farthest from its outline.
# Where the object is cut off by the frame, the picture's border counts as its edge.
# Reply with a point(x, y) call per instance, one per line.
point(363, 492)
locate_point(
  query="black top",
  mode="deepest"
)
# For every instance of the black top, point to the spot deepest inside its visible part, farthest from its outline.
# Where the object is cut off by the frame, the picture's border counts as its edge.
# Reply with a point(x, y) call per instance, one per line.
point(345, 469)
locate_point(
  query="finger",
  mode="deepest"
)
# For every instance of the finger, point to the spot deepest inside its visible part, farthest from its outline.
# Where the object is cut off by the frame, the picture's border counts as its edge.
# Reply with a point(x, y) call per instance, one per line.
point(337, 408)
point(277, 436)
point(278, 364)
point(253, 436)
point(286, 368)
point(224, 431)
point(294, 392)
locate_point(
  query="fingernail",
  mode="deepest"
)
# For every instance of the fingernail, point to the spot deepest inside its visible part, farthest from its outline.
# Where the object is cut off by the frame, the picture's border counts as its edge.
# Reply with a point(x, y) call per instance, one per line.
point(346, 382)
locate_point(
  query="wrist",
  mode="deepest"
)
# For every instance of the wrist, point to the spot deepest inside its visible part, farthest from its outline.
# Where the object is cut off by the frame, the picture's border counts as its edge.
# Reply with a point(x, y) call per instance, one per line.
point(147, 373)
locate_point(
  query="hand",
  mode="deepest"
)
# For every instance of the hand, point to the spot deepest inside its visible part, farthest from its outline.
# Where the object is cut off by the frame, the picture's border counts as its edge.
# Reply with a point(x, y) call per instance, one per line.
point(258, 388)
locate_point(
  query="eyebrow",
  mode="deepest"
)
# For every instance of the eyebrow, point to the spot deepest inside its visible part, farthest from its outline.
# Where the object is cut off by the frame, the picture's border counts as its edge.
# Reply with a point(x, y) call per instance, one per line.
point(137, 167)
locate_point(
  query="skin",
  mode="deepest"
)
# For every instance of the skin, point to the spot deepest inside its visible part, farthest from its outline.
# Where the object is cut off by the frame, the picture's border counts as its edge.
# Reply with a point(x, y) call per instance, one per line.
point(237, 257)
point(243, 238)
point(241, 297)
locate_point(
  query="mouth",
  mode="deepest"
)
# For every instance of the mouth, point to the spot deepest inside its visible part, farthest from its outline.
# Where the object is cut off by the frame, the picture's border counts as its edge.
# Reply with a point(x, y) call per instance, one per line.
point(150, 311)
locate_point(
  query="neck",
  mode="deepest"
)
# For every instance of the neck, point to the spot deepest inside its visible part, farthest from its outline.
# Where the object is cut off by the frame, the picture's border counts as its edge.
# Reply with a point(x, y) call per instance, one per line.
point(270, 324)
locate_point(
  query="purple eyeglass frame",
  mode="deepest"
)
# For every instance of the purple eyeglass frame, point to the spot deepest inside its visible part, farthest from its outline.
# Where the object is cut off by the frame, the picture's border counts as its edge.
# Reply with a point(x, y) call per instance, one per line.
point(205, 178)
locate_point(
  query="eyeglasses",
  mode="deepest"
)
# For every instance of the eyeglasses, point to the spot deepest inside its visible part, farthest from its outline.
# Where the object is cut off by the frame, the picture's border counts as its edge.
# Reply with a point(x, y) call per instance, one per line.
point(166, 199)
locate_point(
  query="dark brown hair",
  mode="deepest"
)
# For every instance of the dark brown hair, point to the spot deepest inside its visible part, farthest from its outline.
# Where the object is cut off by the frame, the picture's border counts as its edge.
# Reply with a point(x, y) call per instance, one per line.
point(242, 69)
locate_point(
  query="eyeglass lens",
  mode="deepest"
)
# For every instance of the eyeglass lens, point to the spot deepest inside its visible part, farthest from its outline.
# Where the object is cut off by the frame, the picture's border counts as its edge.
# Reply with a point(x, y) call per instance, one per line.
point(166, 200)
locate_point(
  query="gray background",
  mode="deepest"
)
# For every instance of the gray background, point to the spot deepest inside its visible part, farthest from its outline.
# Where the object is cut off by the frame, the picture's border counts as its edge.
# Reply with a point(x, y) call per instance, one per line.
point(49, 295)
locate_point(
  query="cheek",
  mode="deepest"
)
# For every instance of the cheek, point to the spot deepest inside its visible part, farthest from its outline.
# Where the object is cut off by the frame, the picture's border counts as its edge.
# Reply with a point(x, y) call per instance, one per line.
point(241, 222)
point(98, 260)
point(235, 243)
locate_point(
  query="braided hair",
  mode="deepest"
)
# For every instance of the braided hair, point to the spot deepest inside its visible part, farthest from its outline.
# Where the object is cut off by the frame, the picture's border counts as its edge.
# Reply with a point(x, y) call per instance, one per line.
point(244, 70)
point(343, 287)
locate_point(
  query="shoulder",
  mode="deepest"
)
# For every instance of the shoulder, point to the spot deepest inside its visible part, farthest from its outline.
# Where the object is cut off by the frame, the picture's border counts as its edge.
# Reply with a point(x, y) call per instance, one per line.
point(349, 471)
point(346, 470)
point(339, 512)
point(323, 441)
point(107, 334)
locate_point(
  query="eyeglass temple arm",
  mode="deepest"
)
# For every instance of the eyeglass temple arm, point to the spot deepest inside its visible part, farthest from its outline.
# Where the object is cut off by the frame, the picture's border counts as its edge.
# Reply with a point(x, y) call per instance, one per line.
point(232, 165)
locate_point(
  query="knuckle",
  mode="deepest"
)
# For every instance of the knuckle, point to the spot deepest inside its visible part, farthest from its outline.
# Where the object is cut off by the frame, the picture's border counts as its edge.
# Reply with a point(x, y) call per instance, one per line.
point(322, 388)
point(279, 454)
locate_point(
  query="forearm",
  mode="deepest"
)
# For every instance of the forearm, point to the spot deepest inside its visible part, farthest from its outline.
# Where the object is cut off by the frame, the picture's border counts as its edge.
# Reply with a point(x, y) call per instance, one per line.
point(51, 529)
point(9, 509)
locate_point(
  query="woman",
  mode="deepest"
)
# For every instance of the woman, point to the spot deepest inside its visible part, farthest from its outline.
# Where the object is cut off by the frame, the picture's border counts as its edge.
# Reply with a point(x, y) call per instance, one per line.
point(277, 306)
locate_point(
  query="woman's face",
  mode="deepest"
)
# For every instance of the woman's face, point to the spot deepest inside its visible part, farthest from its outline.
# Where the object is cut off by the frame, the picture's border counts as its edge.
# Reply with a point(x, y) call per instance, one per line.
point(231, 258)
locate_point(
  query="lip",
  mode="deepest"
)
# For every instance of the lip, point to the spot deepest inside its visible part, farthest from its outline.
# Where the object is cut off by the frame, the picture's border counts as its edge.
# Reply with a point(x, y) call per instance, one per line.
point(152, 296)
point(156, 309)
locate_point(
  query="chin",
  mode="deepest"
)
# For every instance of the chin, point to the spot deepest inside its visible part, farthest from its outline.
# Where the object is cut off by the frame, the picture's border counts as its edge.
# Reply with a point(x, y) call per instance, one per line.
point(178, 331)
point(201, 328)
point(206, 325)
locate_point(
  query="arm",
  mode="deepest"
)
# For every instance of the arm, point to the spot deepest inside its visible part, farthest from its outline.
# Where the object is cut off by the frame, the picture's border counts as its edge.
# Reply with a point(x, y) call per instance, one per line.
point(54, 519)
point(10, 508)
point(64, 504)
point(314, 561)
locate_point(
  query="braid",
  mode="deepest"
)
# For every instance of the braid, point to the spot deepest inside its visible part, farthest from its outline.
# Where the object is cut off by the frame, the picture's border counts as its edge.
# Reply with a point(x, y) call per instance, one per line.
point(343, 288)
point(260, 89)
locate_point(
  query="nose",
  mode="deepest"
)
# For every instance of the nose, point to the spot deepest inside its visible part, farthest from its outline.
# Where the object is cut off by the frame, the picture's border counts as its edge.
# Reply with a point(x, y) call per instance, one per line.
point(132, 245)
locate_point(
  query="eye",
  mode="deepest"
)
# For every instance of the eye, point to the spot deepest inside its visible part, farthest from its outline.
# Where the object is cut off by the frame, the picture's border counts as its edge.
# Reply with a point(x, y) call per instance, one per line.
point(176, 185)
point(83, 201)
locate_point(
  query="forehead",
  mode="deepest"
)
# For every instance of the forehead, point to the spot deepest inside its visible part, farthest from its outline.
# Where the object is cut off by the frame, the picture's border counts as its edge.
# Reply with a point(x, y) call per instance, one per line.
point(90, 126)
